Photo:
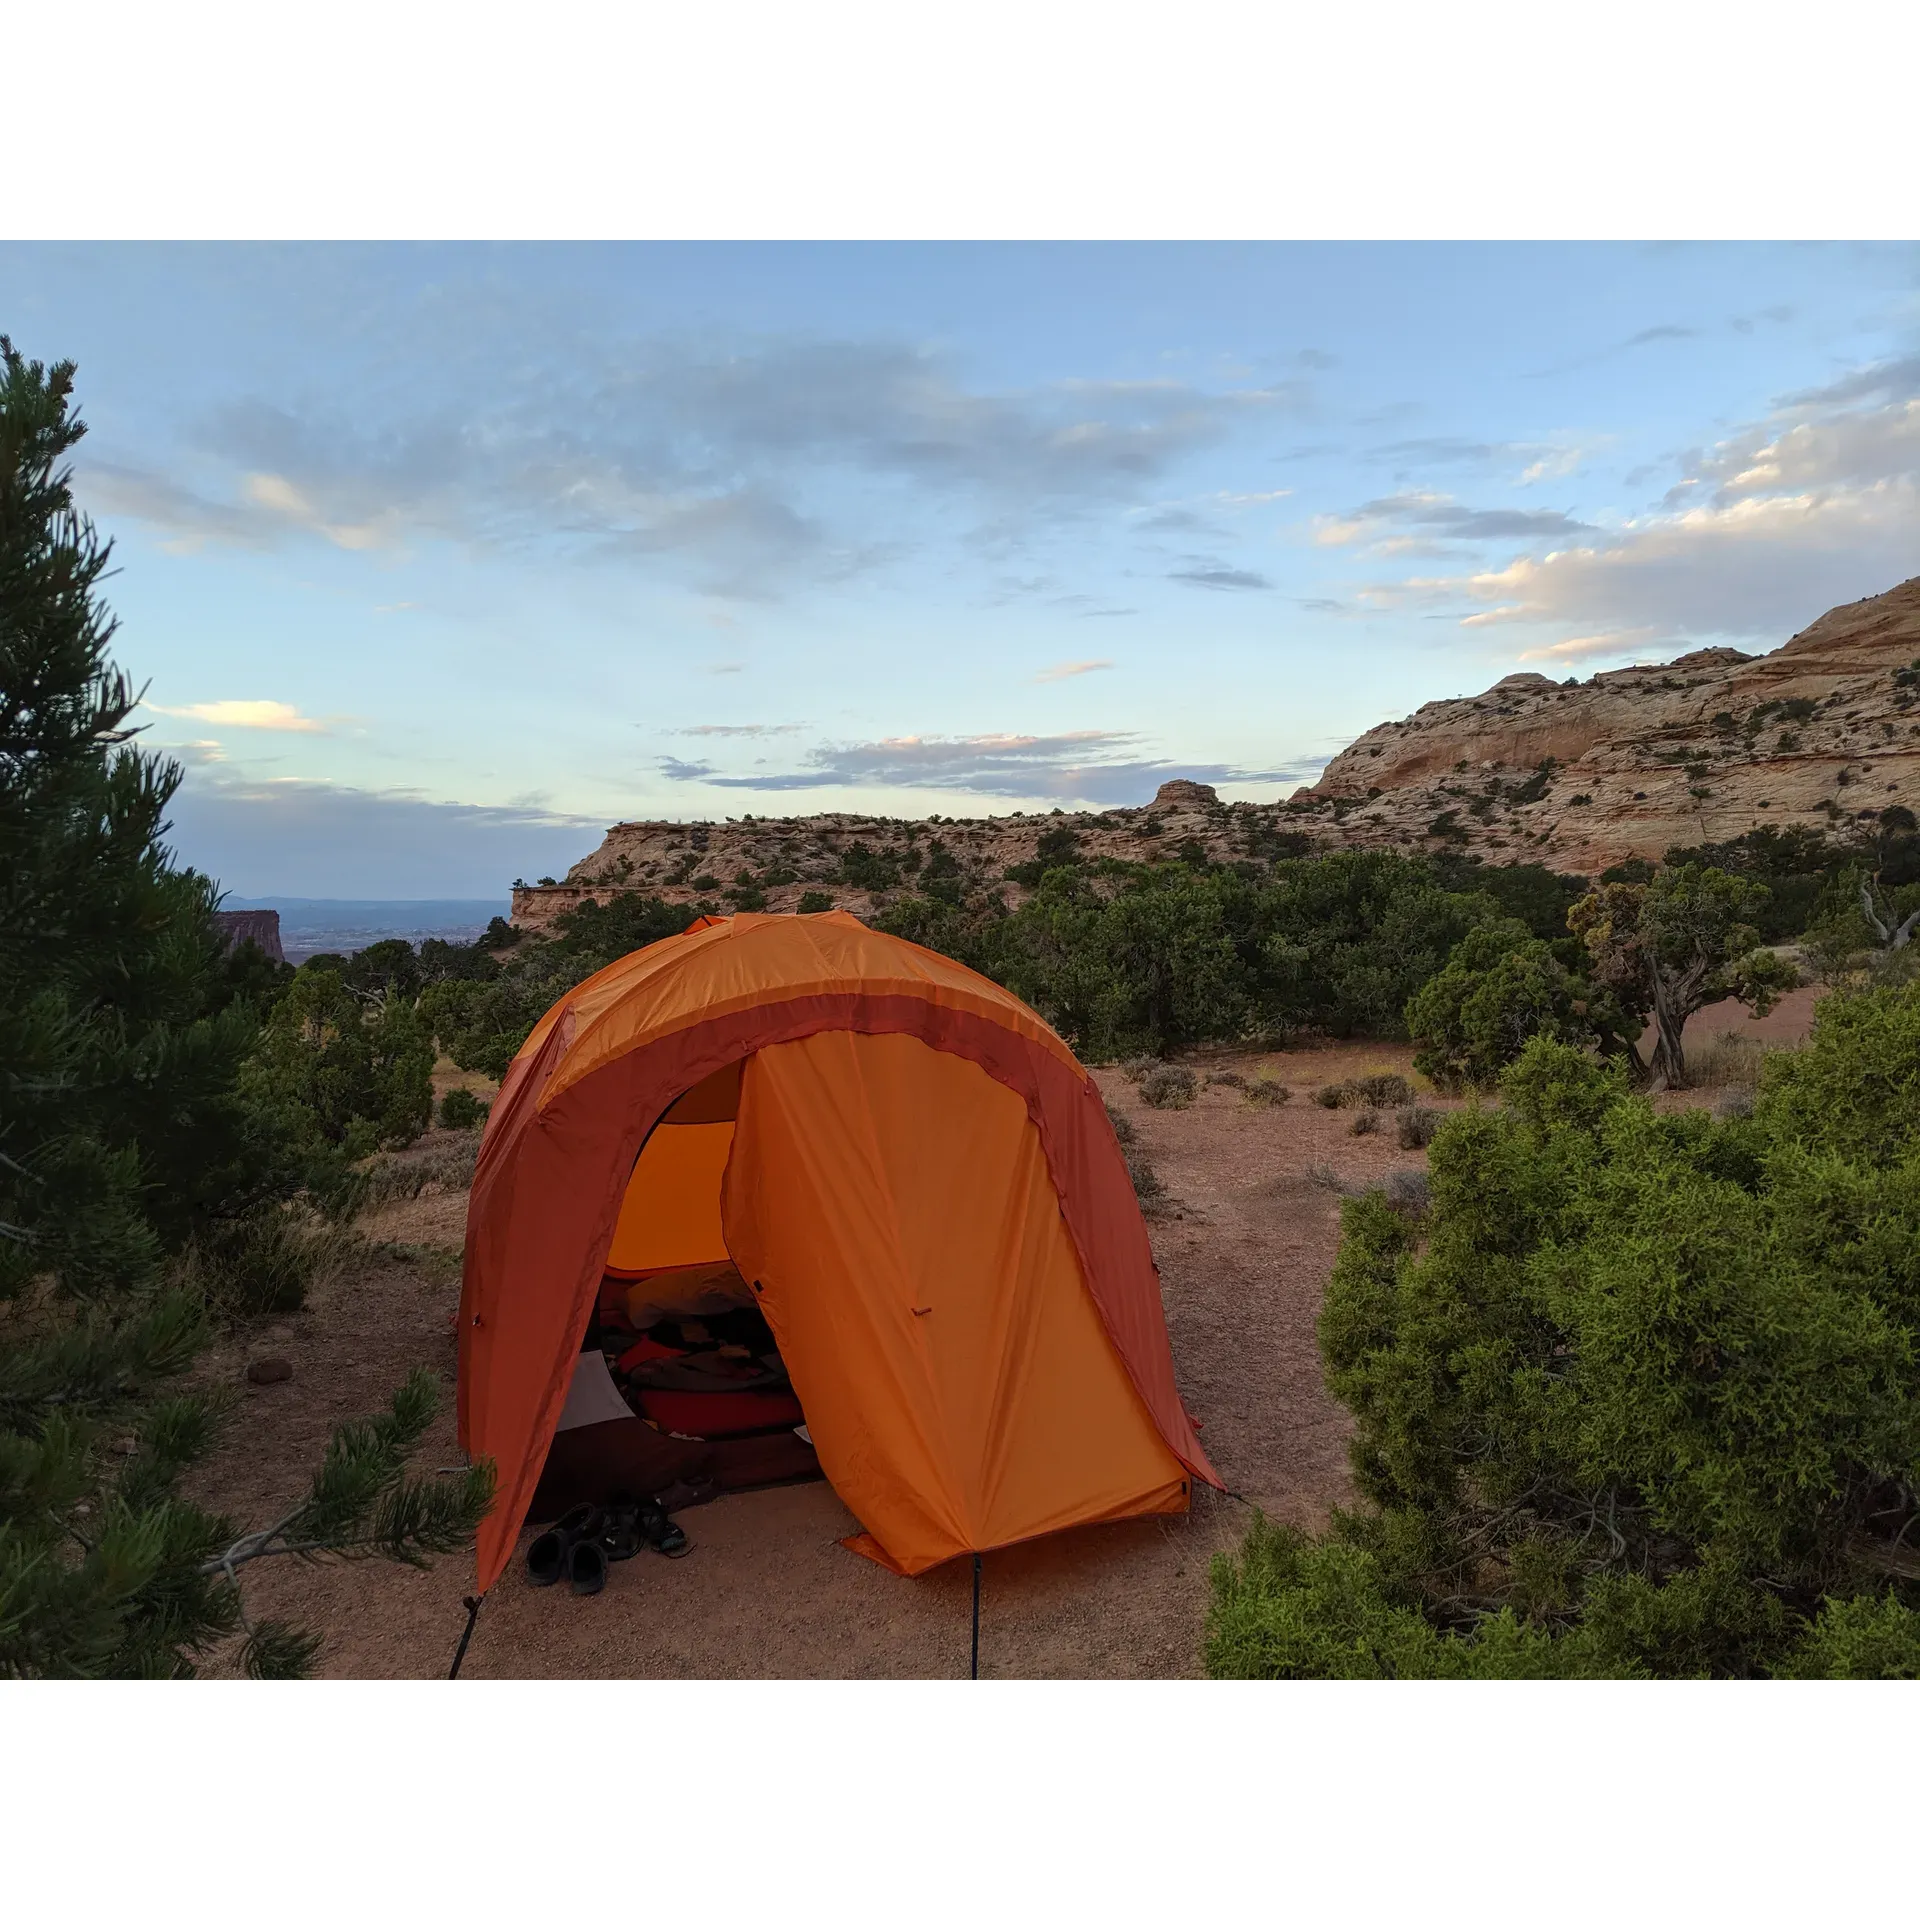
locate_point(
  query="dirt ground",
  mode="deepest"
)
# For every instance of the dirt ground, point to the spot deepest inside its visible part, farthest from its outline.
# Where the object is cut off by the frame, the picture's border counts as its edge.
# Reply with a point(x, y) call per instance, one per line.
point(1244, 1250)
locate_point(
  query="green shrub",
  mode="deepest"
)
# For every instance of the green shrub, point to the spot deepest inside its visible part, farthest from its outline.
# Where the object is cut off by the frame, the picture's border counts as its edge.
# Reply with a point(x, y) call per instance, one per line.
point(814, 901)
point(869, 870)
point(1499, 988)
point(351, 1073)
point(388, 967)
point(460, 1108)
point(1636, 1396)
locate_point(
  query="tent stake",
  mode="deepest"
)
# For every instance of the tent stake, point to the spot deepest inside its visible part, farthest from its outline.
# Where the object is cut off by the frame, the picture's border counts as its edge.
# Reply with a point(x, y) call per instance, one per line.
point(975, 1674)
point(472, 1605)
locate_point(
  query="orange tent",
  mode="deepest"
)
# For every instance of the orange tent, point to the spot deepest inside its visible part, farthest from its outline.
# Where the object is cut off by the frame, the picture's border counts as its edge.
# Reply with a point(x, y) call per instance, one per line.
point(915, 1176)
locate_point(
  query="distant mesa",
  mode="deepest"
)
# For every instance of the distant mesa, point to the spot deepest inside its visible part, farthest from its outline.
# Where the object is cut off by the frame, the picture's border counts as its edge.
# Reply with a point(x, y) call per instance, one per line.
point(261, 925)
point(1184, 793)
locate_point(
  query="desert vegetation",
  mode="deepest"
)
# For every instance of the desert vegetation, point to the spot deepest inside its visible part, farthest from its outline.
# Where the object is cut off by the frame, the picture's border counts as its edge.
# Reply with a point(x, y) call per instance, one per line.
point(183, 1135)
point(1136, 959)
point(1634, 1390)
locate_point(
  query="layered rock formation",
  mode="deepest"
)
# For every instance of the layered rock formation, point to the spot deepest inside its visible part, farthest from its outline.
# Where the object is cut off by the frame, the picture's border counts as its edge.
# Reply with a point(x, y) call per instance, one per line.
point(860, 862)
point(1822, 733)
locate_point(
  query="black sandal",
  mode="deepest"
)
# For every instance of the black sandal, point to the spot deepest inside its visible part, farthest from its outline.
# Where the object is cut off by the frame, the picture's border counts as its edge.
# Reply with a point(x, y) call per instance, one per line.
point(587, 1564)
point(620, 1535)
point(547, 1558)
point(662, 1531)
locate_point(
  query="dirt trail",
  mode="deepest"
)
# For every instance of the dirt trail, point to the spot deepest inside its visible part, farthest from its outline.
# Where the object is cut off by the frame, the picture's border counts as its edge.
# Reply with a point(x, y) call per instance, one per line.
point(1244, 1255)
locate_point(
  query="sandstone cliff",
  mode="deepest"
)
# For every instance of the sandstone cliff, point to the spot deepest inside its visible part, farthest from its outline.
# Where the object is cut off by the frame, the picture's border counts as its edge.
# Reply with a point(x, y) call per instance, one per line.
point(1818, 733)
point(1821, 733)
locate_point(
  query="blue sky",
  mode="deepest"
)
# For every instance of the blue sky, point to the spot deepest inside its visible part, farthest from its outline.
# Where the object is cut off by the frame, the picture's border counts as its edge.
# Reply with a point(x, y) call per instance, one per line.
point(440, 558)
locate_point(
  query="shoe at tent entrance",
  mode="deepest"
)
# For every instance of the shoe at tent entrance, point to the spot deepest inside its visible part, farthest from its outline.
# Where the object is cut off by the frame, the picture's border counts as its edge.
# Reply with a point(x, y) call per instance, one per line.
point(916, 1180)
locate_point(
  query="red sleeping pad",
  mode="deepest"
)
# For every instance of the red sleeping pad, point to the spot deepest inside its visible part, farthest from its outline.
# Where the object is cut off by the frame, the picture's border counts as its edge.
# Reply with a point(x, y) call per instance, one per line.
point(713, 1416)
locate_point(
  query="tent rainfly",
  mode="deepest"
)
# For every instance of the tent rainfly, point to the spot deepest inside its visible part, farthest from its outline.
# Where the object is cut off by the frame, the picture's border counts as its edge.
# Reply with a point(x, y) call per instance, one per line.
point(918, 1181)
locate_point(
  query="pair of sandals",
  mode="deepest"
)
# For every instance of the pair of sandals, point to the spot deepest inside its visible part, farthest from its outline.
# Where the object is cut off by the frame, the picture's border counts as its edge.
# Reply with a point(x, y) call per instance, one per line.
point(581, 1544)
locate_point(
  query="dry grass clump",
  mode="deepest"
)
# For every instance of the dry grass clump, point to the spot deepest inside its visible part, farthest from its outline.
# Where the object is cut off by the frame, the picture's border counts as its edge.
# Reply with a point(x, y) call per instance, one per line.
point(1405, 1190)
point(1417, 1126)
point(268, 1261)
point(1227, 1079)
point(1336, 1093)
point(1727, 1060)
point(1365, 1121)
point(1139, 1067)
point(1263, 1090)
point(1148, 1188)
point(1169, 1087)
point(446, 1166)
point(1733, 1103)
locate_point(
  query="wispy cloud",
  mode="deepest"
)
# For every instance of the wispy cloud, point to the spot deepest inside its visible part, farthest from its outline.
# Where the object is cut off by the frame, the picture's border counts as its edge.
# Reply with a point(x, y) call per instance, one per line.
point(753, 732)
point(268, 716)
point(716, 456)
point(1893, 379)
point(1440, 517)
point(1223, 579)
point(1072, 669)
point(1093, 765)
point(1816, 504)
point(1591, 646)
point(686, 769)
point(1657, 335)
point(1759, 567)
point(1536, 460)
point(192, 753)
